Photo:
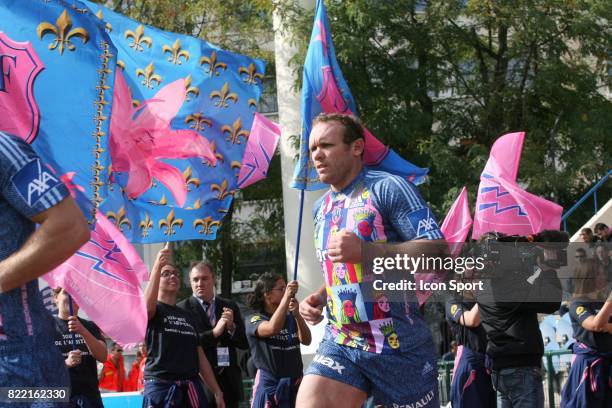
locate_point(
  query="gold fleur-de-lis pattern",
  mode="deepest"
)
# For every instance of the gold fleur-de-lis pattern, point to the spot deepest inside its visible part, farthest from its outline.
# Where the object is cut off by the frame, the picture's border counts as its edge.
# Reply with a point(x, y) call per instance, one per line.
point(191, 91)
point(107, 25)
point(235, 132)
point(119, 218)
point(205, 225)
point(222, 190)
point(63, 33)
point(250, 75)
point(223, 96)
point(145, 225)
point(176, 53)
point(149, 78)
point(138, 39)
point(192, 182)
point(197, 121)
point(170, 224)
point(211, 65)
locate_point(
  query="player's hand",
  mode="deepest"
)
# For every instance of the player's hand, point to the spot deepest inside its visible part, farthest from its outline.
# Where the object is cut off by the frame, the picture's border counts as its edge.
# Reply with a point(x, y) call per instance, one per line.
point(73, 359)
point(344, 246)
point(311, 308)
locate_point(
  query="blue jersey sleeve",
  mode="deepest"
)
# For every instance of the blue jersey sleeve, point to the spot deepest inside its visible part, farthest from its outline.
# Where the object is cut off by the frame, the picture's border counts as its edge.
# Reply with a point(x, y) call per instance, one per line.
point(402, 206)
point(580, 310)
point(454, 310)
point(26, 183)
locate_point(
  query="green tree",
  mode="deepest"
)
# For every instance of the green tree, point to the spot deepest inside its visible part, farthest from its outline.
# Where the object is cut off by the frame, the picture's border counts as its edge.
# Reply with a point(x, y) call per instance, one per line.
point(440, 81)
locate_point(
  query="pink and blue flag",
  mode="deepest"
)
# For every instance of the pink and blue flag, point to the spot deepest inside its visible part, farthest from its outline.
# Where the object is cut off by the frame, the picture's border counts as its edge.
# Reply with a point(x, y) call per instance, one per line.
point(259, 151)
point(502, 205)
point(325, 90)
point(457, 223)
point(57, 68)
point(104, 277)
point(178, 132)
point(455, 228)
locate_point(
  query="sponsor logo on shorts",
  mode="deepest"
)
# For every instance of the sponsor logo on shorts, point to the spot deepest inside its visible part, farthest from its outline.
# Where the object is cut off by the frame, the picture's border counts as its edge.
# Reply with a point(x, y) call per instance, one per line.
point(328, 362)
point(423, 402)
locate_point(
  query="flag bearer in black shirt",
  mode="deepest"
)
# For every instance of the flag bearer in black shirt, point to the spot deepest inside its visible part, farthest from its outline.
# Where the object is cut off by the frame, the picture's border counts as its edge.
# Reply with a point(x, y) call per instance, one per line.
point(81, 344)
point(471, 386)
point(589, 381)
point(174, 357)
point(275, 332)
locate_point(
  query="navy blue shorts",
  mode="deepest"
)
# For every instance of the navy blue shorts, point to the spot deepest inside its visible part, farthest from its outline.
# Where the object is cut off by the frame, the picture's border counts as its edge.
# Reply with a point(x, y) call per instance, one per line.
point(401, 379)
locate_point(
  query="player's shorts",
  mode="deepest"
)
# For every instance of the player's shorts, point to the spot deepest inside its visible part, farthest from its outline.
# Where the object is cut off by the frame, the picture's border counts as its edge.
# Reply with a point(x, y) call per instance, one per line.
point(394, 380)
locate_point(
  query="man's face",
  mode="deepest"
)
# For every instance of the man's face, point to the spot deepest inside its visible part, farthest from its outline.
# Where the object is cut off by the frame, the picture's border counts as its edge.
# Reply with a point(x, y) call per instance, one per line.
point(202, 283)
point(333, 158)
point(580, 256)
point(585, 236)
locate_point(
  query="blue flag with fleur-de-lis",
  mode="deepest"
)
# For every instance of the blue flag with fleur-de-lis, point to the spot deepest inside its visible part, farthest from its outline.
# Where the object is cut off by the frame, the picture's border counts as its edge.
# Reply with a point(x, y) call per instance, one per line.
point(57, 68)
point(180, 122)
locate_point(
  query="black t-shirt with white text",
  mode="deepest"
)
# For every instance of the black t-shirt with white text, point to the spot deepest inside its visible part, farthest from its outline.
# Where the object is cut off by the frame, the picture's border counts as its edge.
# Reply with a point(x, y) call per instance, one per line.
point(279, 355)
point(172, 342)
point(83, 377)
point(579, 310)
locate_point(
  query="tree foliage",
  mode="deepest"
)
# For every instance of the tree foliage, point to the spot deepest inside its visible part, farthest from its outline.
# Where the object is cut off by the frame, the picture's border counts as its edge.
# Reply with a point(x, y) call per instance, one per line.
point(440, 81)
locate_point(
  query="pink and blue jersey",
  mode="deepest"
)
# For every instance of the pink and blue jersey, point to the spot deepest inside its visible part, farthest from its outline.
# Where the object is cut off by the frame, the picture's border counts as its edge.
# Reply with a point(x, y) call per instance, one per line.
point(377, 207)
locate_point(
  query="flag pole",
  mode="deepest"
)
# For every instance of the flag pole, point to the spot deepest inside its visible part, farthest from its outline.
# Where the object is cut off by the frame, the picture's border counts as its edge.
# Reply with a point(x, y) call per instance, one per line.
point(299, 234)
point(71, 311)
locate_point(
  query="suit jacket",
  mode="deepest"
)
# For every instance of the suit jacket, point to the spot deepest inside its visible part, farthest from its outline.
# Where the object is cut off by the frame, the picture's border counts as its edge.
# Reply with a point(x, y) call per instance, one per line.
point(229, 378)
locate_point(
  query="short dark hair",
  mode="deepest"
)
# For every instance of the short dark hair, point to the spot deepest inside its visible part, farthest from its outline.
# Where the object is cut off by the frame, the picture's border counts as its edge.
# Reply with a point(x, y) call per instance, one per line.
point(600, 226)
point(203, 264)
point(353, 129)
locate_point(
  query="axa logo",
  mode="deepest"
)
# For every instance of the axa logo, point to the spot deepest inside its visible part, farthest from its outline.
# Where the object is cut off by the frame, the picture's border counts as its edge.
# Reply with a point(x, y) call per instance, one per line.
point(40, 184)
point(426, 225)
point(33, 181)
point(328, 362)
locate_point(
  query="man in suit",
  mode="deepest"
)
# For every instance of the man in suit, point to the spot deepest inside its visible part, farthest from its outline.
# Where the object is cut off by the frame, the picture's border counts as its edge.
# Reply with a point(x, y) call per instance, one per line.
point(222, 331)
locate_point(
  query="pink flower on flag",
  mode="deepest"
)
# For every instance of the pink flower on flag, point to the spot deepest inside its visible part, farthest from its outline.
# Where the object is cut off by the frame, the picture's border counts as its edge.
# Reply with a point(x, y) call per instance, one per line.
point(141, 137)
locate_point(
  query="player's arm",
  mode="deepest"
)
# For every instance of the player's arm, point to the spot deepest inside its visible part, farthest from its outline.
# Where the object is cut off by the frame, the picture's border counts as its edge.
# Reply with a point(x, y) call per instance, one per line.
point(470, 318)
point(207, 374)
point(63, 229)
point(273, 326)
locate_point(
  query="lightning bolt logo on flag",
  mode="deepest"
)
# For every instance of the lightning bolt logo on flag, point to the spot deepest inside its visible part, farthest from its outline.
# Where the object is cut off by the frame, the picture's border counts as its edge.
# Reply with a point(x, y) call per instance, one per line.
point(502, 205)
point(104, 278)
point(325, 90)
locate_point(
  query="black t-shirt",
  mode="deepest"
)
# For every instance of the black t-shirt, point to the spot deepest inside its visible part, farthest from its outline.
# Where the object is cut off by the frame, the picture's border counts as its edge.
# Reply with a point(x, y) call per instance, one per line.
point(280, 354)
point(474, 338)
point(83, 377)
point(579, 310)
point(172, 344)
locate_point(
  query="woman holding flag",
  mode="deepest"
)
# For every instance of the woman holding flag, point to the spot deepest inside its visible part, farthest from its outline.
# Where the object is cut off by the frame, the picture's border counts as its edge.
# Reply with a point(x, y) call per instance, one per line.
point(589, 381)
point(175, 362)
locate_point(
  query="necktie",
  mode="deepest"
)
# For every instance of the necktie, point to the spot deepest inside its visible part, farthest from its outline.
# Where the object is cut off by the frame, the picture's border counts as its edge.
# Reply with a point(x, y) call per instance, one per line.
point(210, 312)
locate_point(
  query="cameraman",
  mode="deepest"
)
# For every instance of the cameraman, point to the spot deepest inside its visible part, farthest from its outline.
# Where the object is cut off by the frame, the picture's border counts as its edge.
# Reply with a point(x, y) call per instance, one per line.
point(523, 282)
